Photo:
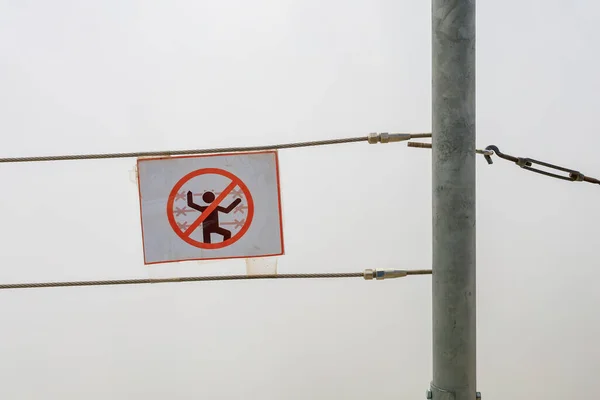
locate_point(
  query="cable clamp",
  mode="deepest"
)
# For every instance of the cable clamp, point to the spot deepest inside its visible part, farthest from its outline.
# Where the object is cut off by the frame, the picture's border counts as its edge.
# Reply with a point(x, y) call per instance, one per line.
point(394, 137)
point(381, 274)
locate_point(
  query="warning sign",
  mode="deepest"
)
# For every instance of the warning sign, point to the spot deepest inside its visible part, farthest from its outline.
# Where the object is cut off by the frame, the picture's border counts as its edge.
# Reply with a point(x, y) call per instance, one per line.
point(210, 207)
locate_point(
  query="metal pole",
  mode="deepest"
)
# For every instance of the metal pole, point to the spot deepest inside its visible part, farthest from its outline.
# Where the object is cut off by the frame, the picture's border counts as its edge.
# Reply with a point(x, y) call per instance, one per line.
point(453, 150)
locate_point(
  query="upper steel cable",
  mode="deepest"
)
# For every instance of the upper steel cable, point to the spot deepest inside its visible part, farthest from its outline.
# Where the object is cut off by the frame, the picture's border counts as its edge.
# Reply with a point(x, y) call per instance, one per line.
point(371, 138)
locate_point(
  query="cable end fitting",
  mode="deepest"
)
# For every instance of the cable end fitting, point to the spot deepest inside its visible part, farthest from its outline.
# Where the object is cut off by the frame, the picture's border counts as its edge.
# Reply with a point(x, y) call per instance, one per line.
point(381, 274)
point(388, 137)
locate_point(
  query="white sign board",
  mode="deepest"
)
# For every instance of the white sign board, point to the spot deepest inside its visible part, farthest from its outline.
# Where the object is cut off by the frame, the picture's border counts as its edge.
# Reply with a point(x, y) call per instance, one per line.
point(210, 207)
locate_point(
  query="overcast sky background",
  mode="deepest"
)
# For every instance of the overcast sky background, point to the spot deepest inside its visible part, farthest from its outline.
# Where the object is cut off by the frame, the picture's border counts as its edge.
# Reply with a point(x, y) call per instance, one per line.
point(86, 77)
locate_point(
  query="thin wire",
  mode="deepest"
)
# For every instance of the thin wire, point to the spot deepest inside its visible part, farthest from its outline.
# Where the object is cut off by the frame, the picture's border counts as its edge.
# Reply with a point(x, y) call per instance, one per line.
point(195, 151)
point(327, 275)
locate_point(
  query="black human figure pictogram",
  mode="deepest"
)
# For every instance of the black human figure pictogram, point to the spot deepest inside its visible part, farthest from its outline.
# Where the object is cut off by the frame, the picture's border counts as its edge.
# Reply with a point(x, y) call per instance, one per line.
point(211, 222)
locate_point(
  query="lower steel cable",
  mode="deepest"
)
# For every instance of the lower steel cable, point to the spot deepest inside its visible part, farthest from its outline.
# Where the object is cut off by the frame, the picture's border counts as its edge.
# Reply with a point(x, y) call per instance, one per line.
point(327, 275)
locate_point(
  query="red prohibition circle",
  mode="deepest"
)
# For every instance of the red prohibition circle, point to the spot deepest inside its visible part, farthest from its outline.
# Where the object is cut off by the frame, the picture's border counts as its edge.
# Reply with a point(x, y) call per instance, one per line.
point(209, 246)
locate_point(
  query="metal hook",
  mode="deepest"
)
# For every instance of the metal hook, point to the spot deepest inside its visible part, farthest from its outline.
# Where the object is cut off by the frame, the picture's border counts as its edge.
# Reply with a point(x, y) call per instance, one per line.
point(497, 151)
point(526, 163)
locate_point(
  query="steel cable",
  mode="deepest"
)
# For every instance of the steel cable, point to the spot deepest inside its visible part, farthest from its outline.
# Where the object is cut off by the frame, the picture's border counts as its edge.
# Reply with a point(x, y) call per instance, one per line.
point(199, 151)
point(325, 275)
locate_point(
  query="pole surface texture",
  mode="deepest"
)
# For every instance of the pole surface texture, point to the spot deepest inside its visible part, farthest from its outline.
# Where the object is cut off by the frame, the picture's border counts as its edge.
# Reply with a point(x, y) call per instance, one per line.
point(453, 150)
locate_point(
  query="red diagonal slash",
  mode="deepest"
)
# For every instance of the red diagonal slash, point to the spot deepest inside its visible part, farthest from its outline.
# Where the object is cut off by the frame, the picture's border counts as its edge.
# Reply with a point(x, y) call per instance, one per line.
point(210, 208)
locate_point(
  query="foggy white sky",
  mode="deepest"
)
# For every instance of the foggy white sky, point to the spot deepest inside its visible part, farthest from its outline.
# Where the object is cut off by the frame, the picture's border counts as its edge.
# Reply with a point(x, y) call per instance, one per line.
point(79, 77)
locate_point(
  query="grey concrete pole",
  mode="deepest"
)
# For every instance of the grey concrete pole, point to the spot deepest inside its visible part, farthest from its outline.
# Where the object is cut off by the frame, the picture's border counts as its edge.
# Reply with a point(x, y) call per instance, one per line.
point(453, 150)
